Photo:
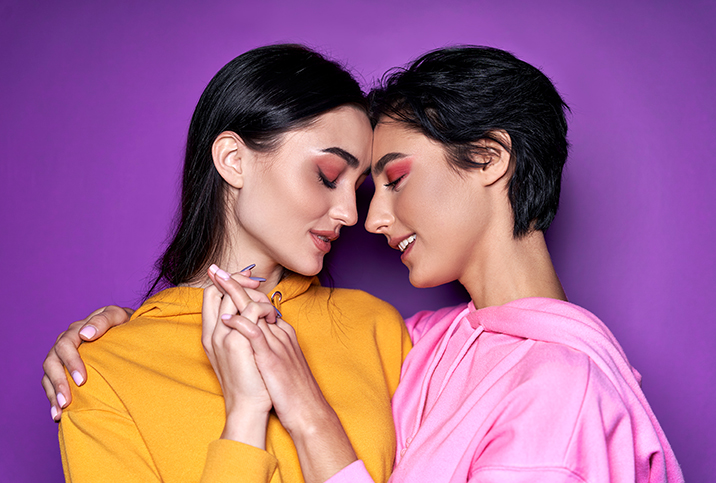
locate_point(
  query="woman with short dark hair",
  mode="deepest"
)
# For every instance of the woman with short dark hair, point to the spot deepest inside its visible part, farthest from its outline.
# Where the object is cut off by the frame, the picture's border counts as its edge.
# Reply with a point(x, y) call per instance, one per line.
point(518, 385)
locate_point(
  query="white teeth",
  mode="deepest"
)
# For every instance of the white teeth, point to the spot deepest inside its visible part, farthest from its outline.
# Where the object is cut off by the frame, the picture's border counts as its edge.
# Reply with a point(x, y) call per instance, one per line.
point(404, 244)
point(325, 239)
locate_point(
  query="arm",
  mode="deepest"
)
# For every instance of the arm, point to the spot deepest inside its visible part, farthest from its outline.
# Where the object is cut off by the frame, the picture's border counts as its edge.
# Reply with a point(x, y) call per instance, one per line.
point(321, 442)
point(65, 354)
point(246, 399)
point(96, 435)
point(108, 429)
point(240, 452)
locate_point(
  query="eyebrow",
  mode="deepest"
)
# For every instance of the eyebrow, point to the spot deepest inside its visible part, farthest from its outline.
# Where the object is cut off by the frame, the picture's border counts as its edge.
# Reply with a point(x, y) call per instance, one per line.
point(380, 165)
point(351, 160)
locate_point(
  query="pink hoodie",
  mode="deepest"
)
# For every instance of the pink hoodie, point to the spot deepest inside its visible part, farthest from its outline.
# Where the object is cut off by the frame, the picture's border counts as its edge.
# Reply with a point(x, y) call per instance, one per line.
point(534, 390)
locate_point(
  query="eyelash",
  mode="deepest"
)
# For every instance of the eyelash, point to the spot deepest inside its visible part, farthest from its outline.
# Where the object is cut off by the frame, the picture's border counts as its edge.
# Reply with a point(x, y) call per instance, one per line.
point(326, 182)
point(393, 185)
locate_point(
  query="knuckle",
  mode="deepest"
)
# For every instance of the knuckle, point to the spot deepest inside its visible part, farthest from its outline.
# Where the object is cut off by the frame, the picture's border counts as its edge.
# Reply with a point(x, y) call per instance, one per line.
point(100, 320)
point(207, 345)
point(62, 334)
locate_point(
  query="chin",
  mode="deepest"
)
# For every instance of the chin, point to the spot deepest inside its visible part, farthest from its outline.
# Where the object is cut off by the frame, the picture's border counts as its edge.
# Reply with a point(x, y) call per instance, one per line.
point(426, 280)
point(420, 282)
point(308, 270)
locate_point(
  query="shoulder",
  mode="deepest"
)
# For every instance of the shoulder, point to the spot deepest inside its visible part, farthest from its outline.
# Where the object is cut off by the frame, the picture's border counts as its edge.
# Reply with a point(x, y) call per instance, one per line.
point(358, 303)
point(554, 381)
point(547, 360)
point(164, 324)
point(433, 320)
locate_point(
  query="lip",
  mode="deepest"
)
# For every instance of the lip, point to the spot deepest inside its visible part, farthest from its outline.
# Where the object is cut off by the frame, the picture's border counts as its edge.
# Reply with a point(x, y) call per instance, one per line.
point(407, 250)
point(322, 239)
point(395, 242)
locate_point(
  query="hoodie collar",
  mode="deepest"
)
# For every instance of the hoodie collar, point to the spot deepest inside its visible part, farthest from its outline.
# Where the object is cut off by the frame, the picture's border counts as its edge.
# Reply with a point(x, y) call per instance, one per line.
point(181, 301)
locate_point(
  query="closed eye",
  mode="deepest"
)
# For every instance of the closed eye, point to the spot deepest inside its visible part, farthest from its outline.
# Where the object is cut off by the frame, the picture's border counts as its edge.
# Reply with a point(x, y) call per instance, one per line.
point(326, 182)
point(393, 185)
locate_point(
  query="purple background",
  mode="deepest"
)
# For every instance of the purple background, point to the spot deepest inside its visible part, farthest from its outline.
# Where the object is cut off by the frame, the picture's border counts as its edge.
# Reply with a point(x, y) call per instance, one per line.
point(95, 101)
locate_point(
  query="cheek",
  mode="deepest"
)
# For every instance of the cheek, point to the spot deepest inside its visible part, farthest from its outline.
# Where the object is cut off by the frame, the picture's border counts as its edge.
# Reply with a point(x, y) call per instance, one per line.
point(304, 198)
point(424, 204)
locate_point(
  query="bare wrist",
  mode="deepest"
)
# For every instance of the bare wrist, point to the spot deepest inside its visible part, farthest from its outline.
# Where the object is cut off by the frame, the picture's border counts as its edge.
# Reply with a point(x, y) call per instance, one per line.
point(312, 423)
point(246, 426)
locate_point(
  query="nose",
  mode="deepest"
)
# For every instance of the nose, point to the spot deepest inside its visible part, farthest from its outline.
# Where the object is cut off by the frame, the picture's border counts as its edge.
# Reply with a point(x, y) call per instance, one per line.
point(344, 209)
point(380, 216)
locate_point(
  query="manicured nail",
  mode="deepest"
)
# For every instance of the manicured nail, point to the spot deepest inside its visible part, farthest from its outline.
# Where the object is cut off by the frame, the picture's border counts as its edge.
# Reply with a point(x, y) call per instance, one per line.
point(249, 267)
point(61, 400)
point(77, 377)
point(226, 317)
point(222, 274)
point(88, 332)
point(278, 312)
point(213, 268)
point(53, 413)
point(258, 279)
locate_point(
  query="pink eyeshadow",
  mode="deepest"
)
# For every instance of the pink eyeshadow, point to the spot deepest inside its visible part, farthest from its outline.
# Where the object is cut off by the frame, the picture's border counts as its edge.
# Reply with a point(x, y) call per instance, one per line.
point(399, 168)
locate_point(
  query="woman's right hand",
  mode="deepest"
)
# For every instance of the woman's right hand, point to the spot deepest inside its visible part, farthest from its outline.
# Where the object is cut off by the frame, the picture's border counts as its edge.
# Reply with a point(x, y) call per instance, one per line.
point(245, 396)
point(321, 442)
point(64, 354)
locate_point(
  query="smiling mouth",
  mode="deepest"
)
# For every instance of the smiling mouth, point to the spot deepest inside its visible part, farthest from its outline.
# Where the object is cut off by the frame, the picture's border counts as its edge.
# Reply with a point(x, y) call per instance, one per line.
point(404, 244)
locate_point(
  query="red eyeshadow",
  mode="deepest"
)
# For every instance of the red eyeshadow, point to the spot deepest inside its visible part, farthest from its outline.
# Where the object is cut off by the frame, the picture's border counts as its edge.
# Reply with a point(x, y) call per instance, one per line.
point(396, 169)
point(331, 169)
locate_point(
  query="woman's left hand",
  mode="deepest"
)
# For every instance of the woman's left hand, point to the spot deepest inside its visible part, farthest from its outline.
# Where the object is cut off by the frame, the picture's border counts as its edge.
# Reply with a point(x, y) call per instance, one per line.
point(322, 444)
point(246, 398)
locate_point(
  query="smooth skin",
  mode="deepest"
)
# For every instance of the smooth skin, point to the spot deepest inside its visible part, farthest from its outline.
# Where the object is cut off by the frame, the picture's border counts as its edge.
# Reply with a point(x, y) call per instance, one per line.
point(462, 223)
point(263, 344)
point(462, 220)
point(284, 209)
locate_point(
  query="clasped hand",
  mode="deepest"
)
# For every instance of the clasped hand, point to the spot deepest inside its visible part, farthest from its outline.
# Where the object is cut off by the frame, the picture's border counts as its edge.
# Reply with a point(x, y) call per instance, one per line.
point(257, 359)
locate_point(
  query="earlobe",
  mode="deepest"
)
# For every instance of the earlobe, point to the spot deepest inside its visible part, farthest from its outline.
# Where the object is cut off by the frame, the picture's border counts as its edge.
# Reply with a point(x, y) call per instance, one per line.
point(228, 153)
point(497, 157)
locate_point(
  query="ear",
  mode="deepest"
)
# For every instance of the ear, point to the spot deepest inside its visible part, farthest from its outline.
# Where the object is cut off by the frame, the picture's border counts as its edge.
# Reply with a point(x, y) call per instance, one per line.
point(228, 153)
point(497, 157)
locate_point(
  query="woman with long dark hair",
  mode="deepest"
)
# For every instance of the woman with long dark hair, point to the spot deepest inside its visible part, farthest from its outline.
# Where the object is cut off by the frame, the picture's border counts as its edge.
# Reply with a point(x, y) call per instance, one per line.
point(277, 145)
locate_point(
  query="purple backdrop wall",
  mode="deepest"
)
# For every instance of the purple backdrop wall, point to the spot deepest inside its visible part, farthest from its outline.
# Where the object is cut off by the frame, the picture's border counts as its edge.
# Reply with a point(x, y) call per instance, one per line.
point(96, 100)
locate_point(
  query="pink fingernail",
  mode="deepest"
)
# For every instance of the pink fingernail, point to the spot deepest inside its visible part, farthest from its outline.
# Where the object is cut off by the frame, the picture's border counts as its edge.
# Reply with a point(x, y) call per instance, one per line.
point(77, 377)
point(88, 332)
point(53, 413)
point(226, 317)
point(222, 274)
point(213, 268)
point(61, 400)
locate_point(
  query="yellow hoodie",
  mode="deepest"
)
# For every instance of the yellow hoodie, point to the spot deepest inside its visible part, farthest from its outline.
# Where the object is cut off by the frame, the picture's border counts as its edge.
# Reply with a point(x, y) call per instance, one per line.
point(152, 408)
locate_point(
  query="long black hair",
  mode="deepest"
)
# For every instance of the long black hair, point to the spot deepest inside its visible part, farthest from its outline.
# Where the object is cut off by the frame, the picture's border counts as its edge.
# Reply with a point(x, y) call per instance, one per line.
point(461, 95)
point(259, 95)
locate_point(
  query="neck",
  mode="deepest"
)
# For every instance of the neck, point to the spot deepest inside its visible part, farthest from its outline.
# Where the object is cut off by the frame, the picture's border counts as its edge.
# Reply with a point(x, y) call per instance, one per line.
point(272, 272)
point(511, 269)
point(238, 254)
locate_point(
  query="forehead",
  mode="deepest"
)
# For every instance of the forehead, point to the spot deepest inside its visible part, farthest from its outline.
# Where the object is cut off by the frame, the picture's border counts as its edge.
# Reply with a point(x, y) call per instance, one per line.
point(391, 137)
point(344, 129)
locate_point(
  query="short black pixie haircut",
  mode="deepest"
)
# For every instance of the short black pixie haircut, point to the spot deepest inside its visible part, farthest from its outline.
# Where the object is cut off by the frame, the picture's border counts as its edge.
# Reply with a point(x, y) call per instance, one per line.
point(461, 95)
